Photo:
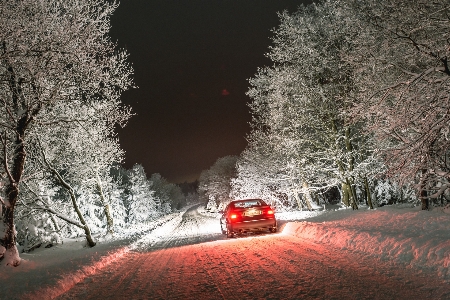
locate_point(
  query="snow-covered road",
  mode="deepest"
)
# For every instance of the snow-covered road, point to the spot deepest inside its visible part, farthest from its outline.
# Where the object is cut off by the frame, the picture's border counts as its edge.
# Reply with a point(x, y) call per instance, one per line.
point(189, 259)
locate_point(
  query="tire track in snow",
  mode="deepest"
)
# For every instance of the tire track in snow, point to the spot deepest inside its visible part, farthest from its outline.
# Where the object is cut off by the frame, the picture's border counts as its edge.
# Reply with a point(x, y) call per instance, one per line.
point(86, 272)
point(185, 264)
point(163, 258)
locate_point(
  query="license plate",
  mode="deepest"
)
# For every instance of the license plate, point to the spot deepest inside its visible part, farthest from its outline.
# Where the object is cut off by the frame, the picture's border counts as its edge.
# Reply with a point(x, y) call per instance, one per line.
point(252, 213)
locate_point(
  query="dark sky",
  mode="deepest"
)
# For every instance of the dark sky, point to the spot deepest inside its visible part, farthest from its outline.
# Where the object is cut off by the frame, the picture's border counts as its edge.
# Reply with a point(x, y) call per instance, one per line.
point(192, 59)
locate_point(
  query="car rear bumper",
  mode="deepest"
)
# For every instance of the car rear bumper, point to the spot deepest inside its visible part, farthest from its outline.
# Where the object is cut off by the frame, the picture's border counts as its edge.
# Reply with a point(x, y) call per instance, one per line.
point(253, 225)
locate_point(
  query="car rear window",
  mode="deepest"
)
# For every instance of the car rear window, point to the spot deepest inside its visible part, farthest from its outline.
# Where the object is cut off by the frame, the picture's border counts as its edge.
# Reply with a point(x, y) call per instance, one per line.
point(248, 203)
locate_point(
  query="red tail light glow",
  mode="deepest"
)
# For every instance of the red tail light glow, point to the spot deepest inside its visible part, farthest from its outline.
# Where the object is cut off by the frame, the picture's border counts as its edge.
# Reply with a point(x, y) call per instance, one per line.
point(270, 212)
point(233, 216)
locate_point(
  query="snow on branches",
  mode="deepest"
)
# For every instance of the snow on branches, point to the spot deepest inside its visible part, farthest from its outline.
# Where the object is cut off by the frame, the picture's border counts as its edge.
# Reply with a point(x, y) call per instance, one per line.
point(358, 91)
point(402, 78)
point(58, 66)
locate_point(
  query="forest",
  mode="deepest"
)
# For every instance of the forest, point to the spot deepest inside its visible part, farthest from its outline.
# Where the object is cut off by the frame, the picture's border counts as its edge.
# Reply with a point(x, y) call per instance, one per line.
point(354, 110)
point(61, 78)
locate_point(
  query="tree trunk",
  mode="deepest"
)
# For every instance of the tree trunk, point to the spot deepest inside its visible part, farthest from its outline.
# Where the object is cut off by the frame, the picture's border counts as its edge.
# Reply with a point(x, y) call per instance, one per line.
point(352, 193)
point(87, 231)
point(55, 223)
point(307, 194)
point(355, 197)
point(8, 238)
point(316, 198)
point(368, 195)
point(299, 202)
point(69, 189)
point(345, 195)
point(422, 191)
point(351, 162)
point(14, 172)
point(109, 219)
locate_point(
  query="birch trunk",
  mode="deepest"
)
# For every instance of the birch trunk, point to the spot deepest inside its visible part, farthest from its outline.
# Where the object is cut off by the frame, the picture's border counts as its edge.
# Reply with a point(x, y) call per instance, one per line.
point(307, 193)
point(69, 189)
point(299, 202)
point(105, 204)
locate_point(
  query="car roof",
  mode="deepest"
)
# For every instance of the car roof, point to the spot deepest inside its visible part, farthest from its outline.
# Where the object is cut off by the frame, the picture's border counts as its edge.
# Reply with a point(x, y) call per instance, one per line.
point(261, 202)
point(245, 200)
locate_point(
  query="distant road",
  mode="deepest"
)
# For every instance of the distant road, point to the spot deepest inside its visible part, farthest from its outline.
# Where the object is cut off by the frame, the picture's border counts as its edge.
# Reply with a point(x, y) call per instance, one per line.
point(192, 260)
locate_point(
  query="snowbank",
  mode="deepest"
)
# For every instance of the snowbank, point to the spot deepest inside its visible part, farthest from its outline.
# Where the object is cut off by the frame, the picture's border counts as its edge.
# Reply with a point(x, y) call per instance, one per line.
point(46, 273)
point(407, 235)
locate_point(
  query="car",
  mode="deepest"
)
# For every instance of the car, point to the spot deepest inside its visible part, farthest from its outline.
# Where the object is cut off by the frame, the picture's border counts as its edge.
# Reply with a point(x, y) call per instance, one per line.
point(249, 215)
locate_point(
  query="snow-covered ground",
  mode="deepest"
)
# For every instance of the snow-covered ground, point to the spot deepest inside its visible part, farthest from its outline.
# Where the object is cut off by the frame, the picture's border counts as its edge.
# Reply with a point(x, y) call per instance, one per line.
point(403, 234)
point(45, 273)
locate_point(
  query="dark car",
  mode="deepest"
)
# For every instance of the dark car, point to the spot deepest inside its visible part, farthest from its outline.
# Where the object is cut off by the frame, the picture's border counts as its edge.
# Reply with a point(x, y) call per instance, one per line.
point(241, 216)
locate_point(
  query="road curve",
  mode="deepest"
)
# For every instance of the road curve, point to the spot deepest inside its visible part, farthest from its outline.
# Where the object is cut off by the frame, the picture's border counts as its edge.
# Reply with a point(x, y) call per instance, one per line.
point(193, 261)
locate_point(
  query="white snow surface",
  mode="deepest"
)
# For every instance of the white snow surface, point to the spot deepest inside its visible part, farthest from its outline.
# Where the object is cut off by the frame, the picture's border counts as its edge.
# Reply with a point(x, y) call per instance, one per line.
point(404, 234)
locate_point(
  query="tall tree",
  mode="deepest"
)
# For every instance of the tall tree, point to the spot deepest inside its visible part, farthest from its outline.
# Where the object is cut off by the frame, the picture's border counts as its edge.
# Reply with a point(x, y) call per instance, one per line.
point(51, 52)
point(169, 195)
point(403, 76)
point(84, 150)
point(141, 202)
point(301, 104)
point(215, 183)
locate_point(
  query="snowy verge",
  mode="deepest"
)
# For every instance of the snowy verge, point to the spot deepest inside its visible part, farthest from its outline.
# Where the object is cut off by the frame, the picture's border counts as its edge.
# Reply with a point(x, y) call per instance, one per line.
point(296, 215)
point(51, 272)
point(406, 235)
point(280, 215)
point(207, 213)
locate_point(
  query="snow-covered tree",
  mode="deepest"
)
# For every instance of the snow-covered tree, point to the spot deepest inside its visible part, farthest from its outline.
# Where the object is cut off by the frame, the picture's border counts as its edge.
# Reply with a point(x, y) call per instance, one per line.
point(86, 150)
point(403, 76)
point(300, 108)
point(169, 195)
point(215, 183)
point(141, 202)
point(259, 174)
point(389, 192)
point(51, 52)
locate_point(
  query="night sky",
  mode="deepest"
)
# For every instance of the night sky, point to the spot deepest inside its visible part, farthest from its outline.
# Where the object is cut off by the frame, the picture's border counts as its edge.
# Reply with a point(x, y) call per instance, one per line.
point(192, 60)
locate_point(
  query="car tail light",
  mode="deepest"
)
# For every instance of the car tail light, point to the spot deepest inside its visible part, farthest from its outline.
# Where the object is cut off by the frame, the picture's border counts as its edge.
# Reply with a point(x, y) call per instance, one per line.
point(234, 216)
point(269, 212)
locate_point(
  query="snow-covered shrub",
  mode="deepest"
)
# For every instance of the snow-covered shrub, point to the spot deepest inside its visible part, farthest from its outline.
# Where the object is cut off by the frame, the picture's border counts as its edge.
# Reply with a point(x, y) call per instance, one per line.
point(37, 231)
point(211, 205)
point(35, 226)
point(389, 192)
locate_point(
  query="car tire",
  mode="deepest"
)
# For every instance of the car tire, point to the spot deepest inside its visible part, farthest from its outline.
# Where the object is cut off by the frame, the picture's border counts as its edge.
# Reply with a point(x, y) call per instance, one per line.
point(229, 232)
point(273, 229)
point(221, 228)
